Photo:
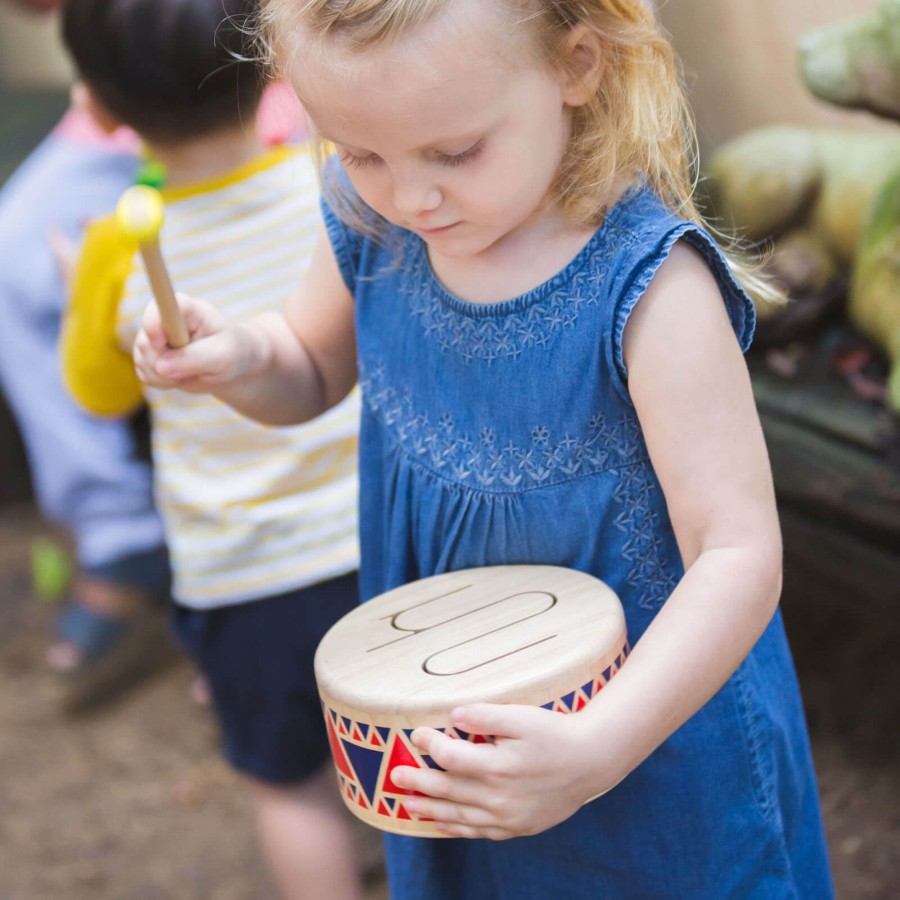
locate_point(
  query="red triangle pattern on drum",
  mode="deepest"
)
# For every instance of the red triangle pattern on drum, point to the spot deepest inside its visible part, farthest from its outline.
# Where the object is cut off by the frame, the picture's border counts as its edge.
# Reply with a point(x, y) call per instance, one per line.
point(337, 753)
point(401, 755)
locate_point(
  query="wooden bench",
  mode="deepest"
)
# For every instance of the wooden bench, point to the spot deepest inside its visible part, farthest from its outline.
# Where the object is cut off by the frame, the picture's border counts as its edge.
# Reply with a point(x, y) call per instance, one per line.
point(836, 464)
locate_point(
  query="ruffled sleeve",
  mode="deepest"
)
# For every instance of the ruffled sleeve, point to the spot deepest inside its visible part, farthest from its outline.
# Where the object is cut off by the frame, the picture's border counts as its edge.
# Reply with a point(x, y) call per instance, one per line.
point(668, 231)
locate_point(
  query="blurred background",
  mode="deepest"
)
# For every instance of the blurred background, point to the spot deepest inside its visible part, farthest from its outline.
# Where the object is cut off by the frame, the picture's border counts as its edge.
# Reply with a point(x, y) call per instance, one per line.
point(132, 800)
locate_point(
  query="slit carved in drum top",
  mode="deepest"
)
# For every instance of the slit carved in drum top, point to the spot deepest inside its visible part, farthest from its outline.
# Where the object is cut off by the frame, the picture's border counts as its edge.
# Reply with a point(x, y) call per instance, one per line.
point(539, 635)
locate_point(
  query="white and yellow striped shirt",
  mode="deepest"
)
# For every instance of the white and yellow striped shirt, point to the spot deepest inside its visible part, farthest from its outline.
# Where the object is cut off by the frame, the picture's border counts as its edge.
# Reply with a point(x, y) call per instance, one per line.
point(250, 510)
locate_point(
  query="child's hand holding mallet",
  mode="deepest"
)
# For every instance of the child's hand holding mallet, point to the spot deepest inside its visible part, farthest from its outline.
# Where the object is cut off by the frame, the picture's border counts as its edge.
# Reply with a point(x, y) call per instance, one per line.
point(140, 215)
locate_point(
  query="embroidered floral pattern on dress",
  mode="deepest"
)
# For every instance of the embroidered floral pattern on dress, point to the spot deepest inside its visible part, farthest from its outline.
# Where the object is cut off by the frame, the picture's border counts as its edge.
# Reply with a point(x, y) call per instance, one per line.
point(643, 546)
point(484, 463)
point(488, 337)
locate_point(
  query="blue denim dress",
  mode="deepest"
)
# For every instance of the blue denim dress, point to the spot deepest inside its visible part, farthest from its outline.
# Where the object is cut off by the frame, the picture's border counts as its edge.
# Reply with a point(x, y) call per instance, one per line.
point(504, 433)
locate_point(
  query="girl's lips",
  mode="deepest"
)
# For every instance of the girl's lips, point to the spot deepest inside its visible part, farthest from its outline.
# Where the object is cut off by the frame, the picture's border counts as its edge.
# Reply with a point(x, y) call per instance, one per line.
point(442, 228)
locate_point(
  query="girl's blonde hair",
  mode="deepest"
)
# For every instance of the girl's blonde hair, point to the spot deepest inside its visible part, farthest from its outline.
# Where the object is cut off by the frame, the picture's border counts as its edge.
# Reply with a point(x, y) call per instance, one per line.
point(637, 125)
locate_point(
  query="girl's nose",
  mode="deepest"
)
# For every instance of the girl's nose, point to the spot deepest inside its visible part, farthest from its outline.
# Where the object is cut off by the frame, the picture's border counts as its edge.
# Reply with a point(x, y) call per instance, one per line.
point(416, 195)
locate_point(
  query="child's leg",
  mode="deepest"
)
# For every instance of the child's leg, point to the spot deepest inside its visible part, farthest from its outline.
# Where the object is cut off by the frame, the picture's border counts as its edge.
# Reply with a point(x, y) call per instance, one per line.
point(257, 658)
point(307, 839)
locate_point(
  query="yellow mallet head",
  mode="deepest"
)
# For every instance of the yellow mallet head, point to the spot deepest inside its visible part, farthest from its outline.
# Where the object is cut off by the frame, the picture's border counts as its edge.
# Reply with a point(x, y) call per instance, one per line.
point(140, 212)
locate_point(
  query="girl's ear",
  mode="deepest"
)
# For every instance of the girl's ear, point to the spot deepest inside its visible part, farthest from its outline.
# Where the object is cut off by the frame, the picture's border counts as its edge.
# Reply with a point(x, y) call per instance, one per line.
point(84, 99)
point(583, 65)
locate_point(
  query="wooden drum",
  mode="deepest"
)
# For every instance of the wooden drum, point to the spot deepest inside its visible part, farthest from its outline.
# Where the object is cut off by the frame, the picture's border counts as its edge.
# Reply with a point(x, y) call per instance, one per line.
point(538, 635)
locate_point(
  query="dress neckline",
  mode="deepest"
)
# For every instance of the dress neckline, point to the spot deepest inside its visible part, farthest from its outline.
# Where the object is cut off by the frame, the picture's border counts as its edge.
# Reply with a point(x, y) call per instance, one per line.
point(521, 302)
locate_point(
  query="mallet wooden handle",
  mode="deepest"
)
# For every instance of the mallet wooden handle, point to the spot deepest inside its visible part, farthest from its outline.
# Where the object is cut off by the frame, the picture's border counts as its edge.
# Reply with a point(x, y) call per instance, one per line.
point(140, 214)
point(161, 284)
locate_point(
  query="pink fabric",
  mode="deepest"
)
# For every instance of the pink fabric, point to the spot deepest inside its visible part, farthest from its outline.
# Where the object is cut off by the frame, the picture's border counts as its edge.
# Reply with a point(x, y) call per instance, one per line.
point(79, 125)
point(280, 120)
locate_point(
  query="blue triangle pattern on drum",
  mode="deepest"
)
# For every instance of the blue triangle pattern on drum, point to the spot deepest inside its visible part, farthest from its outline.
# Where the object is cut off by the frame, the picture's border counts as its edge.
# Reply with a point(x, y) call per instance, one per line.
point(588, 689)
point(549, 705)
point(391, 802)
point(366, 764)
point(463, 734)
point(607, 674)
point(384, 732)
point(347, 723)
point(427, 759)
point(364, 729)
point(569, 699)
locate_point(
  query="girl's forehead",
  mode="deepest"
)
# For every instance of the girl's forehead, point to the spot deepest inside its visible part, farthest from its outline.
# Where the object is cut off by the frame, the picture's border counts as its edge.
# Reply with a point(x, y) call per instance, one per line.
point(467, 38)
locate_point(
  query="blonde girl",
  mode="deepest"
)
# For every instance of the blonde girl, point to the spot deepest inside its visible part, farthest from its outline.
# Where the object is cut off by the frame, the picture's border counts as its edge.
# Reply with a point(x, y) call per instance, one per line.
point(549, 345)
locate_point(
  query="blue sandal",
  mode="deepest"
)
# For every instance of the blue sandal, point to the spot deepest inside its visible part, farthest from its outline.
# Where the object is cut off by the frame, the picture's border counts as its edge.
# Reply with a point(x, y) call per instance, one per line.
point(116, 653)
point(91, 632)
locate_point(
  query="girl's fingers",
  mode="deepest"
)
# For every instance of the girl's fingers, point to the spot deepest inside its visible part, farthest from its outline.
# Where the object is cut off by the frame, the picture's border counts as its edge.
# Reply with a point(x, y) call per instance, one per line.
point(462, 758)
point(202, 362)
point(494, 721)
point(456, 819)
point(200, 318)
point(152, 330)
point(438, 785)
point(499, 719)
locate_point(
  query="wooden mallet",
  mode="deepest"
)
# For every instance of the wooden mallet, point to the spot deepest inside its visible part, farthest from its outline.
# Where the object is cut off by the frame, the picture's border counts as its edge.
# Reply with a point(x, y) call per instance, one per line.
point(140, 215)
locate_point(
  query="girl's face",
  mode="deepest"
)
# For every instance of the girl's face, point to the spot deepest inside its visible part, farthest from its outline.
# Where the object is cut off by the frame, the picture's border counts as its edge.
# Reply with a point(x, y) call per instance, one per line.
point(439, 131)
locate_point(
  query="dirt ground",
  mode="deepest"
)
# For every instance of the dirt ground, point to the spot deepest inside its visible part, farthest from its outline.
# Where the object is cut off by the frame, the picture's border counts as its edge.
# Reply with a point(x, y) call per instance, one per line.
point(134, 803)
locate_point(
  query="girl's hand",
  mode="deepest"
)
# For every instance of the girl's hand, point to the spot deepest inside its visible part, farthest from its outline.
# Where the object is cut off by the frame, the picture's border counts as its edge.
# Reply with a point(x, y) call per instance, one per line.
point(537, 770)
point(218, 352)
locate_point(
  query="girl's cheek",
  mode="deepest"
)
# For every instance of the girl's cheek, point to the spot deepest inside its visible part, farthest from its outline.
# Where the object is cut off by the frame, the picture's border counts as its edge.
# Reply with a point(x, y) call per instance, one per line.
point(373, 191)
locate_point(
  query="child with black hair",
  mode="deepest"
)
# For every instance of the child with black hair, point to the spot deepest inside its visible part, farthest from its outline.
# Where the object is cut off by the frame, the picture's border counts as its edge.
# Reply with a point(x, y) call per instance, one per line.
point(261, 522)
point(88, 474)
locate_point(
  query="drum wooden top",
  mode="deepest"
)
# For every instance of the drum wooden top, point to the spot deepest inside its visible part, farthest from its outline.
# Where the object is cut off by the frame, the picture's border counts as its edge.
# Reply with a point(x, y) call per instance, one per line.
point(496, 634)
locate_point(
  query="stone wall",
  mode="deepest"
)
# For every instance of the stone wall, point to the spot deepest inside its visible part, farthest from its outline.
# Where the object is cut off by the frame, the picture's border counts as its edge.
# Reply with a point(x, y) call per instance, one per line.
point(740, 62)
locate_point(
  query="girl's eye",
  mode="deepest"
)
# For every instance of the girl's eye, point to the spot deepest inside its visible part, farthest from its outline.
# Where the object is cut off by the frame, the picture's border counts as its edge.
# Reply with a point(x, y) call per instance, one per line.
point(358, 162)
point(460, 159)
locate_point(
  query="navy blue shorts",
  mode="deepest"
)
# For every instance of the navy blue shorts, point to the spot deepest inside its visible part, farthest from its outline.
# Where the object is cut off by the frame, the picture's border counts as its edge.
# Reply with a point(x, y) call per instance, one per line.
point(258, 660)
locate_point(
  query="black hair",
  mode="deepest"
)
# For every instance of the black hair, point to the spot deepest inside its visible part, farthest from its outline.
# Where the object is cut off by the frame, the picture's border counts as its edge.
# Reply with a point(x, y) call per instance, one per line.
point(170, 69)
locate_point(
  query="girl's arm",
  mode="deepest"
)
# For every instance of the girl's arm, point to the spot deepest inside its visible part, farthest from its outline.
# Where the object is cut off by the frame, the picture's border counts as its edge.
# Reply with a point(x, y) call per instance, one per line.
point(692, 392)
point(691, 389)
point(280, 368)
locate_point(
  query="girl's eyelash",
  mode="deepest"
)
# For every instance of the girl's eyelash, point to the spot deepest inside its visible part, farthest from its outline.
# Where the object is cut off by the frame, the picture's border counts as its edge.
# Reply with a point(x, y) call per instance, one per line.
point(358, 162)
point(460, 159)
point(446, 159)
